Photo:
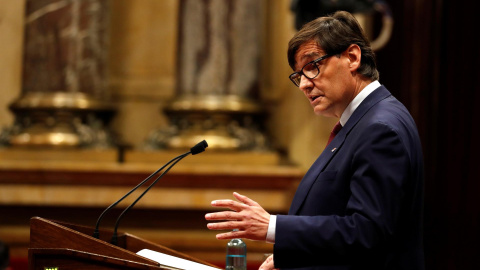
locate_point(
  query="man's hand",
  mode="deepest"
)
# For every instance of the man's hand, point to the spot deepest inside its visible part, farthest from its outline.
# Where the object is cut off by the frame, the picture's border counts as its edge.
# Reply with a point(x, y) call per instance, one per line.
point(247, 216)
point(267, 264)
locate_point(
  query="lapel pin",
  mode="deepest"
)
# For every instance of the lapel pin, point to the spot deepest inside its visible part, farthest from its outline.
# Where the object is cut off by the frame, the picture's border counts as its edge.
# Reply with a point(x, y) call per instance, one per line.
point(333, 150)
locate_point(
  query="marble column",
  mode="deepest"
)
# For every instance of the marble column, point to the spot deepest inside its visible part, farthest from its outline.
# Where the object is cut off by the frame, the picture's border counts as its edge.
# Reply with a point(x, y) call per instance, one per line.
point(218, 73)
point(64, 100)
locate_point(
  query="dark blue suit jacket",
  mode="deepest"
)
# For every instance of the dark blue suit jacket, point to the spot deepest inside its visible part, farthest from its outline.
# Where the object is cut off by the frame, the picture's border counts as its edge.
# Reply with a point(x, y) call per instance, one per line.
point(360, 205)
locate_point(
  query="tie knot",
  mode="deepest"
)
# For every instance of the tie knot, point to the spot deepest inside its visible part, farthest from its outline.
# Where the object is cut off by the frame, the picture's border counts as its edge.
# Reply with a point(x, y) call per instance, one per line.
point(337, 128)
point(334, 132)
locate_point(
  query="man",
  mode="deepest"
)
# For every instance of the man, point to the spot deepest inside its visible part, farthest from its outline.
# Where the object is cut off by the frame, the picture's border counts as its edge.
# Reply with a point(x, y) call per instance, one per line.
point(360, 204)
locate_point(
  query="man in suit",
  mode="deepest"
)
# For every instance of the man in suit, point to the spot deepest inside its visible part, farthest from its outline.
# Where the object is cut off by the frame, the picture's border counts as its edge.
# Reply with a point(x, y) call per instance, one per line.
point(360, 205)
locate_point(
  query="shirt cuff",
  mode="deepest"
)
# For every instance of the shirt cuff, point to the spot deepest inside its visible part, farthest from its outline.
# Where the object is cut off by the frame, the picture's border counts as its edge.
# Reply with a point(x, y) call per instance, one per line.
point(271, 229)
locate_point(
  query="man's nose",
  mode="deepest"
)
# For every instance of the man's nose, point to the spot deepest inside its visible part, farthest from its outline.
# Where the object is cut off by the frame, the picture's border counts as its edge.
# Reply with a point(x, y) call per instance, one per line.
point(305, 83)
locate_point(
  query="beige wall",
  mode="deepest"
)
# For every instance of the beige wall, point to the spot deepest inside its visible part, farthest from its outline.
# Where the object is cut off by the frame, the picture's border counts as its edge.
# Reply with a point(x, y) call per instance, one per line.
point(11, 39)
point(142, 70)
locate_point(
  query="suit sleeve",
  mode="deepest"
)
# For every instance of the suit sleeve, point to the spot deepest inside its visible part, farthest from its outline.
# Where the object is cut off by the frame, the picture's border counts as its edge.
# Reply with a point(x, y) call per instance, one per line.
point(378, 172)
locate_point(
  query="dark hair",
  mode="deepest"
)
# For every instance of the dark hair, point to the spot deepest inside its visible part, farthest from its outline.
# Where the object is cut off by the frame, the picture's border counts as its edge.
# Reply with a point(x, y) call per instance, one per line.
point(334, 34)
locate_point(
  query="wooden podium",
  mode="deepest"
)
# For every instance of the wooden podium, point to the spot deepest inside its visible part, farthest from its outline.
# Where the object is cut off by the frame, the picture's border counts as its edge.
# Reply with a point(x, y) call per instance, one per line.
point(60, 246)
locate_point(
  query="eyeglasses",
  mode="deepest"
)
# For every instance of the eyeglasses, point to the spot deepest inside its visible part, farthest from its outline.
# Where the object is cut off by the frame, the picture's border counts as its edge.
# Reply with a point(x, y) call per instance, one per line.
point(310, 71)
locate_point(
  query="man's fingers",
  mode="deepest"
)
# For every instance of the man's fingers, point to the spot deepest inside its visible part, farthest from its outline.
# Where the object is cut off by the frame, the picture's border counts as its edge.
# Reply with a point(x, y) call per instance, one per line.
point(245, 199)
point(226, 215)
point(234, 205)
point(242, 203)
point(227, 225)
point(246, 215)
point(229, 235)
point(267, 264)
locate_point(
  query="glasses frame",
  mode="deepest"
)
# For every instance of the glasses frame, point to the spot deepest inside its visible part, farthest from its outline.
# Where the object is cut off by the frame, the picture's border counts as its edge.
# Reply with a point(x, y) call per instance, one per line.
point(314, 62)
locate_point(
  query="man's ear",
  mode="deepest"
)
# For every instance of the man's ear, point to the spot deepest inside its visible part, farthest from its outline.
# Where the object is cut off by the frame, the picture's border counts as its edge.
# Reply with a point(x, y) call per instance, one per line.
point(354, 56)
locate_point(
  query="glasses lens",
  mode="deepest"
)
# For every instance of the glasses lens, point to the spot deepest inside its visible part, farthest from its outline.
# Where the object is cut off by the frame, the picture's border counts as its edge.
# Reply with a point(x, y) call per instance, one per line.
point(295, 78)
point(311, 70)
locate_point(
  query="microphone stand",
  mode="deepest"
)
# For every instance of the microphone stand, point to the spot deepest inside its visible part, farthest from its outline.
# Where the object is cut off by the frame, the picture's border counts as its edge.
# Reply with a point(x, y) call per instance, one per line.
point(96, 233)
point(198, 148)
point(115, 235)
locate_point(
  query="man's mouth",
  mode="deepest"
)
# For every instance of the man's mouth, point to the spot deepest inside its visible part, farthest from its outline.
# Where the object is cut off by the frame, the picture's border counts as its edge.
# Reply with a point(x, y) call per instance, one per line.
point(313, 98)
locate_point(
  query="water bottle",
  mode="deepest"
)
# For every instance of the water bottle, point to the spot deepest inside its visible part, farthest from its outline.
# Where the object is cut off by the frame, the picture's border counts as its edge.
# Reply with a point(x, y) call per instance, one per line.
point(236, 255)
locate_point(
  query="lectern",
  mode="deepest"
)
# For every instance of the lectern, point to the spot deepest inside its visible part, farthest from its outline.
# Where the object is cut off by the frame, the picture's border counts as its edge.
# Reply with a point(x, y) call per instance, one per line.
point(56, 245)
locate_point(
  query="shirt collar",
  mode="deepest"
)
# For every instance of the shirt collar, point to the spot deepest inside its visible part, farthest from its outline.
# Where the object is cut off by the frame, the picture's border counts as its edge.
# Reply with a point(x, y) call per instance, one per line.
point(357, 100)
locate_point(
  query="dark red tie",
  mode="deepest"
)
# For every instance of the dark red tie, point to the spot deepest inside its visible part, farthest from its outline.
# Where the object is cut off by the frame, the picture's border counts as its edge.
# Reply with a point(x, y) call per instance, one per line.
point(334, 132)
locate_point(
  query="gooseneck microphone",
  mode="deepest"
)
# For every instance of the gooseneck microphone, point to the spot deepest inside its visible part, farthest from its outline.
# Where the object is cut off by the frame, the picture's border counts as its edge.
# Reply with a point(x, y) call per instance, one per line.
point(197, 149)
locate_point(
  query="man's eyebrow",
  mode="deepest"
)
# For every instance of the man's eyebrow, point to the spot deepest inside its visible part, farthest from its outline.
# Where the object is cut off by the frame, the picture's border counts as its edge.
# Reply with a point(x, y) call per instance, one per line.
point(307, 55)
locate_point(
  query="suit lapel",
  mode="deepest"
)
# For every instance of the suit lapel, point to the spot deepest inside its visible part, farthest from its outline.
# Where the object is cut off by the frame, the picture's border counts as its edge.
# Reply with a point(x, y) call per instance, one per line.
point(333, 148)
point(311, 175)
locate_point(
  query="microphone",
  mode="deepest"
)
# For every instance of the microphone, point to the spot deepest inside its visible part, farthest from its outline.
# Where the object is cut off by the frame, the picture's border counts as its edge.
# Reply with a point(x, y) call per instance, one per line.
point(197, 149)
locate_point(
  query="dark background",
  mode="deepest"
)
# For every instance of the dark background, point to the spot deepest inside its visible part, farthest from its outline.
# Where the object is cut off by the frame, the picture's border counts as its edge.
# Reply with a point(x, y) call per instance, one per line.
point(432, 65)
